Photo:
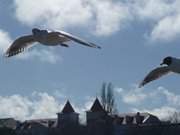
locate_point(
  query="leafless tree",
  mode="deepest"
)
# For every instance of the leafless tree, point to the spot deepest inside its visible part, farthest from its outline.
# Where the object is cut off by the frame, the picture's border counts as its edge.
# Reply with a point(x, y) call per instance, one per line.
point(107, 98)
point(174, 117)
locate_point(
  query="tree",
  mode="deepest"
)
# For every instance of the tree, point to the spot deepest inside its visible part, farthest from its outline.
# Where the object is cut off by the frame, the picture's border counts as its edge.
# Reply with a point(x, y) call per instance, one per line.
point(103, 95)
point(107, 98)
point(110, 98)
point(174, 117)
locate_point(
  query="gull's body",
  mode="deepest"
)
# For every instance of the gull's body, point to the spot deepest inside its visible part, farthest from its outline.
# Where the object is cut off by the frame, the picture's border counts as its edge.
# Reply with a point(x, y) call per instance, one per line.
point(47, 38)
point(173, 65)
point(52, 39)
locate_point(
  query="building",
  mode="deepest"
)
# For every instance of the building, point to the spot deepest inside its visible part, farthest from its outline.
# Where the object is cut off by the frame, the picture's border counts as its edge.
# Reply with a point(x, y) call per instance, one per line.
point(8, 126)
point(96, 113)
point(67, 121)
point(135, 119)
point(97, 119)
point(34, 127)
point(8, 123)
point(132, 123)
point(67, 116)
point(98, 122)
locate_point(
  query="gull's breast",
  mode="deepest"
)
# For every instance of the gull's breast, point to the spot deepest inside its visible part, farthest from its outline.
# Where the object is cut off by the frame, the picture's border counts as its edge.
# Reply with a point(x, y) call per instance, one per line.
point(175, 66)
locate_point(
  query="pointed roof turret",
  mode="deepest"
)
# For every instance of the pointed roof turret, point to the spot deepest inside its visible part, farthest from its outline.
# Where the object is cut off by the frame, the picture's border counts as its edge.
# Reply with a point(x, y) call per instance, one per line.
point(97, 107)
point(68, 108)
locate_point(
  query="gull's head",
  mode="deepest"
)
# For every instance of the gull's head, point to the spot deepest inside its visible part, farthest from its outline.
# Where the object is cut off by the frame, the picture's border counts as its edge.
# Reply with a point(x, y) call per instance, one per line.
point(35, 31)
point(167, 61)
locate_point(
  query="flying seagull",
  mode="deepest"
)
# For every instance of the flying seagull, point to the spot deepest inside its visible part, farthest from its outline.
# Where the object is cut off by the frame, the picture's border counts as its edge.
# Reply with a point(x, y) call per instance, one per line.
point(172, 65)
point(47, 38)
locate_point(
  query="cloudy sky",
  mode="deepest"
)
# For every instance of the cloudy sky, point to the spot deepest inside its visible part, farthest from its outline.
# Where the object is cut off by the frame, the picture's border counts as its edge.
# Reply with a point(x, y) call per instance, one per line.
point(135, 35)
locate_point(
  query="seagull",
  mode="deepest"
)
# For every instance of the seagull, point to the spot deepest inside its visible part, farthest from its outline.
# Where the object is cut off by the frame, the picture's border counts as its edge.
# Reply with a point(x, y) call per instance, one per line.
point(169, 65)
point(47, 38)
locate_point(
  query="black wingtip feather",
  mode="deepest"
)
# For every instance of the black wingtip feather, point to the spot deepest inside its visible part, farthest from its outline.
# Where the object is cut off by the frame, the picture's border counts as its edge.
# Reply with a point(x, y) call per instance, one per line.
point(10, 54)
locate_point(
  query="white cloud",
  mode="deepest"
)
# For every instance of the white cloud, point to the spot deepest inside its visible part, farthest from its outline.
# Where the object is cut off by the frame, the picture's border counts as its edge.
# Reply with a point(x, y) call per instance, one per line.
point(163, 16)
point(5, 41)
point(138, 96)
point(46, 106)
point(45, 55)
point(14, 106)
point(172, 98)
point(167, 28)
point(152, 9)
point(39, 105)
point(55, 12)
point(88, 103)
point(133, 96)
point(160, 102)
point(23, 108)
point(110, 16)
point(105, 16)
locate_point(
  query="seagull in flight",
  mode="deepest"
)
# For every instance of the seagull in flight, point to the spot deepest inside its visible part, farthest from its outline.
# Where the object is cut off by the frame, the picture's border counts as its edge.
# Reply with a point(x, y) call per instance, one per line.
point(47, 38)
point(171, 65)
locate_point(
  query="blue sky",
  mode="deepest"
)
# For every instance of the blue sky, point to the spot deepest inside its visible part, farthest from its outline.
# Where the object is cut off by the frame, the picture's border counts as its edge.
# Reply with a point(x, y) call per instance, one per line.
point(135, 35)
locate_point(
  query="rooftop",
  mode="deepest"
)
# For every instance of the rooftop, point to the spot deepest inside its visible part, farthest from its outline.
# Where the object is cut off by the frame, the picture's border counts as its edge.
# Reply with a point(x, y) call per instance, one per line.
point(97, 107)
point(68, 108)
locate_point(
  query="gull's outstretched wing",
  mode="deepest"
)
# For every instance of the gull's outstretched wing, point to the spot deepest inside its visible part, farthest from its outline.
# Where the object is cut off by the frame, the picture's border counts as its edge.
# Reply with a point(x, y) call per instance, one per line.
point(19, 45)
point(155, 74)
point(77, 39)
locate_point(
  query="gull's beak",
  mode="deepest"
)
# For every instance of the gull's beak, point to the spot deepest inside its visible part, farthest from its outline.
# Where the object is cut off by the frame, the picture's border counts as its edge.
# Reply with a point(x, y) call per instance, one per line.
point(161, 63)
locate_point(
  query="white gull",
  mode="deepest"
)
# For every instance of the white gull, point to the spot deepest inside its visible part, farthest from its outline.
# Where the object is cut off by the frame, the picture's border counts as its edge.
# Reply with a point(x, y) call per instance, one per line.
point(45, 37)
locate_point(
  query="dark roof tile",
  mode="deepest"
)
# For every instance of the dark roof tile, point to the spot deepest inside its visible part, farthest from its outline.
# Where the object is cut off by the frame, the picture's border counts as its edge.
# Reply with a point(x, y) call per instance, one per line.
point(97, 107)
point(68, 108)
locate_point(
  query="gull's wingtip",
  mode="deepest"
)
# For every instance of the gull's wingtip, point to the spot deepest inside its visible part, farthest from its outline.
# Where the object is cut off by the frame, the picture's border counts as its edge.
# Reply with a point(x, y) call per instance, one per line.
point(9, 54)
point(6, 55)
point(141, 84)
point(96, 46)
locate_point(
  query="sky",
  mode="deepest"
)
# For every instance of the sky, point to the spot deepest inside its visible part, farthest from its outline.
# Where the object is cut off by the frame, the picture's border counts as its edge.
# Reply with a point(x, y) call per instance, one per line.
point(135, 35)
